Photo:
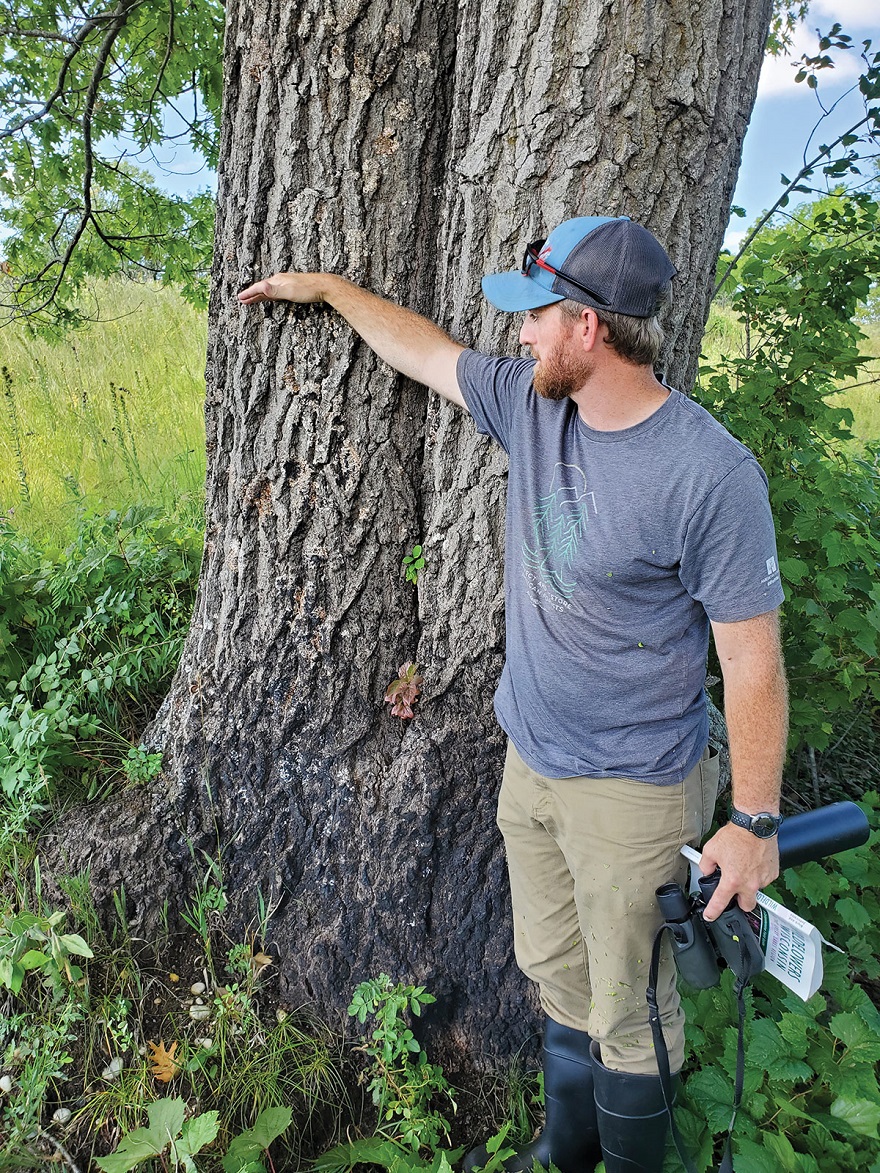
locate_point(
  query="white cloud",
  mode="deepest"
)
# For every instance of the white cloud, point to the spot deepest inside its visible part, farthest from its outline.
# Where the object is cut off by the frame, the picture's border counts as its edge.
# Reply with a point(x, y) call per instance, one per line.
point(733, 238)
point(854, 15)
point(859, 20)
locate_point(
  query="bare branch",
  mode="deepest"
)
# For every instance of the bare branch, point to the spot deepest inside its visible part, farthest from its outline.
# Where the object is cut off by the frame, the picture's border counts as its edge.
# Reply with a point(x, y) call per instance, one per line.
point(37, 34)
point(864, 383)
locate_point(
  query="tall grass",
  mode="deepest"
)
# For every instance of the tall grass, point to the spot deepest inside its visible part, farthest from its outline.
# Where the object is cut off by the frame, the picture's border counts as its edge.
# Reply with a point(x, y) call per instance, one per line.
point(111, 415)
point(863, 400)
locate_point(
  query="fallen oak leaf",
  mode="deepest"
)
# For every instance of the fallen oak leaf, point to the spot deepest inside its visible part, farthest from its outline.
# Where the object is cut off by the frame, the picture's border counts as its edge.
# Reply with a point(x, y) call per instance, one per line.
point(163, 1066)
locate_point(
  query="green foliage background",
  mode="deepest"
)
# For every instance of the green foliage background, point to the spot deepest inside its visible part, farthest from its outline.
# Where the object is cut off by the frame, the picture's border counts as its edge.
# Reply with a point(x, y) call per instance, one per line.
point(797, 296)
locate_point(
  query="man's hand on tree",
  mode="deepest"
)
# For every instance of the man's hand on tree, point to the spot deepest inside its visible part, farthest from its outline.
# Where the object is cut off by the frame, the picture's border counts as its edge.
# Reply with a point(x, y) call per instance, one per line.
point(747, 864)
point(298, 287)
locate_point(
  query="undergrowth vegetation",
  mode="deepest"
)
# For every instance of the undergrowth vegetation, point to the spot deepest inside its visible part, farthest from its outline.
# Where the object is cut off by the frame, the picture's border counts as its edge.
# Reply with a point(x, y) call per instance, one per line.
point(811, 1101)
point(102, 1048)
point(796, 298)
point(88, 644)
point(99, 1032)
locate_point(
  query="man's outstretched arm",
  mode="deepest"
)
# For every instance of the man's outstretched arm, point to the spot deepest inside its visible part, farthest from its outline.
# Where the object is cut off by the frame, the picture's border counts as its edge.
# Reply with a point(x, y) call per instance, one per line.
point(406, 341)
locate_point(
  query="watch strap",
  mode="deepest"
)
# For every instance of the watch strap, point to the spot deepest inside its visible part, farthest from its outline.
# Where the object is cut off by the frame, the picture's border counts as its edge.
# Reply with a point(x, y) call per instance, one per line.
point(763, 825)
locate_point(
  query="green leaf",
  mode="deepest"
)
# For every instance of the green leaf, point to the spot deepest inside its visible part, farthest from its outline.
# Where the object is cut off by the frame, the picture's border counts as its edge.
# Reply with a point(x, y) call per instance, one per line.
point(713, 1091)
point(369, 1151)
point(166, 1120)
point(245, 1148)
point(861, 1115)
point(33, 959)
point(73, 943)
point(766, 1044)
point(779, 1146)
point(852, 913)
point(795, 1028)
point(270, 1124)
point(793, 570)
point(790, 1071)
point(753, 1158)
point(11, 975)
point(197, 1132)
point(861, 1042)
point(814, 882)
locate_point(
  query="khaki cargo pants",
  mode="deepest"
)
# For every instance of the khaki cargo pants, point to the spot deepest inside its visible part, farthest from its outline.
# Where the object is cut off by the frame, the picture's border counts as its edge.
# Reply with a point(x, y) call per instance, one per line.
point(585, 857)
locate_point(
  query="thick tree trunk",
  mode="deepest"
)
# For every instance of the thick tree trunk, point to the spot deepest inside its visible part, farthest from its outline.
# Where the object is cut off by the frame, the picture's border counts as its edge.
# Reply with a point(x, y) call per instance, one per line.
point(411, 146)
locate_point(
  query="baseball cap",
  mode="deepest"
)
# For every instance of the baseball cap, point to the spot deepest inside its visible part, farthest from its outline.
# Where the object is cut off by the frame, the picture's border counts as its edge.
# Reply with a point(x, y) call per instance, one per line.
point(607, 262)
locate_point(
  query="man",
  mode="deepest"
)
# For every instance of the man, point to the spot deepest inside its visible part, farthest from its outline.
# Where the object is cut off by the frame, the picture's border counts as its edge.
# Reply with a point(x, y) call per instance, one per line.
point(634, 521)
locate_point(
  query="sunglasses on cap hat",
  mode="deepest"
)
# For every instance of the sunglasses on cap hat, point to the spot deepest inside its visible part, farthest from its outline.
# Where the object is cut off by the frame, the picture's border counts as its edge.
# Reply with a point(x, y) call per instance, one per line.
point(532, 256)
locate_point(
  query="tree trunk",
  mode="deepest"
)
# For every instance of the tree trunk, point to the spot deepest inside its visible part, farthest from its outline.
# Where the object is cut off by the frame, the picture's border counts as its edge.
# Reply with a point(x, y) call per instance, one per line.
point(411, 146)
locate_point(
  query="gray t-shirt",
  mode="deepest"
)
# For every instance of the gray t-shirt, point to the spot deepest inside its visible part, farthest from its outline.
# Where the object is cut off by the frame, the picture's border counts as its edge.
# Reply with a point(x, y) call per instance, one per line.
point(620, 547)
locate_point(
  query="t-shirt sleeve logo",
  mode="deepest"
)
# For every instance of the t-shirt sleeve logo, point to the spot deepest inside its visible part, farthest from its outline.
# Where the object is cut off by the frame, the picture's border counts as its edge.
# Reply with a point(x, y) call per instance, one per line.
point(772, 575)
point(559, 521)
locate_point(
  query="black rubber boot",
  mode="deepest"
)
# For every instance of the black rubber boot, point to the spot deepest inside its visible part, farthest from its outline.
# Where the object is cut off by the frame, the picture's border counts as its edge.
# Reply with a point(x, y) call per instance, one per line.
point(632, 1118)
point(569, 1138)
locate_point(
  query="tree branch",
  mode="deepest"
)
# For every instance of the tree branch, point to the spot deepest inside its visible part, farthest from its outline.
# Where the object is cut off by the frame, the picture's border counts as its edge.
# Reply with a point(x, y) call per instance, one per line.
point(169, 45)
point(37, 34)
point(77, 41)
point(804, 171)
point(120, 16)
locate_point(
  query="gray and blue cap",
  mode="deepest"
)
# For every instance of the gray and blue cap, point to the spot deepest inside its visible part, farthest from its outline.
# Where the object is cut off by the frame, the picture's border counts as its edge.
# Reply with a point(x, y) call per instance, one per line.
point(610, 263)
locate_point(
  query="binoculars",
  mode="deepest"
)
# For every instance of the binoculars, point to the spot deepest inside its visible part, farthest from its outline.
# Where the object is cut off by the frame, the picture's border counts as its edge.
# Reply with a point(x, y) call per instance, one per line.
point(699, 947)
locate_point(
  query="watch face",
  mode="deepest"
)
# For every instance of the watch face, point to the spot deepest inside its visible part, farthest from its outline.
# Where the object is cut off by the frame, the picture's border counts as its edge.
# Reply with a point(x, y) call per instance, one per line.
point(764, 826)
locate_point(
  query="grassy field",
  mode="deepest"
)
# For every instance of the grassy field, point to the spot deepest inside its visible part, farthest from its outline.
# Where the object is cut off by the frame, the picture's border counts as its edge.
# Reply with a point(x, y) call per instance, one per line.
point(110, 416)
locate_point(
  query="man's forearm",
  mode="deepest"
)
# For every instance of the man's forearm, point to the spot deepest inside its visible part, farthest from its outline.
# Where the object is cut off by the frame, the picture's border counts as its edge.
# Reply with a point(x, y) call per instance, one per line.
point(756, 711)
point(756, 708)
point(400, 337)
point(408, 342)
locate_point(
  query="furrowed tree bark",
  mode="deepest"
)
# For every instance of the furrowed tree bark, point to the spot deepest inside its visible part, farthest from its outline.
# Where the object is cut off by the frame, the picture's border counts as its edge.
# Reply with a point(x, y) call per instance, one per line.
point(411, 146)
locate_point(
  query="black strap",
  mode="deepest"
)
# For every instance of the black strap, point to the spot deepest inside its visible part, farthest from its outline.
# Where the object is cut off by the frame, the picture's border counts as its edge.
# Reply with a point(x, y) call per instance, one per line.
point(660, 1049)
point(662, 1053)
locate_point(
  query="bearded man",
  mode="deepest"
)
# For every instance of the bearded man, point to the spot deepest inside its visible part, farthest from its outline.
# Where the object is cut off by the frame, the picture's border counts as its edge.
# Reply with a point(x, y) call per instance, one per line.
point(635, 523)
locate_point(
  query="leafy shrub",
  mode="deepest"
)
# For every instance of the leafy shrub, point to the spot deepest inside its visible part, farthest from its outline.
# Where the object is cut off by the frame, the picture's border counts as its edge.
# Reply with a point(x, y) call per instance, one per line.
point(797, 294)
point(88, 643)
point(404, 1085)
point(33, 942)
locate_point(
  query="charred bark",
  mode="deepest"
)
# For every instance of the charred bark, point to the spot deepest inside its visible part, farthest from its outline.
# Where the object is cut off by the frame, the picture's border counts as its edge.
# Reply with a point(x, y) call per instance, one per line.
point(411, 146)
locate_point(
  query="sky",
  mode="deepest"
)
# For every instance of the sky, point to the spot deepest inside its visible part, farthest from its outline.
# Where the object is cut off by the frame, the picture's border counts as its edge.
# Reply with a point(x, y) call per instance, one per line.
point(785, 113)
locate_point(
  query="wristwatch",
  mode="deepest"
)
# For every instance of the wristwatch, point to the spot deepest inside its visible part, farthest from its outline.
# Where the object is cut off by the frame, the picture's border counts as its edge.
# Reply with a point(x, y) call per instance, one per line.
point(764, 825)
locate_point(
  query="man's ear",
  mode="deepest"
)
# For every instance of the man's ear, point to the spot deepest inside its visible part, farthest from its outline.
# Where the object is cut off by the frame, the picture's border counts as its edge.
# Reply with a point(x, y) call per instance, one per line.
point(589, 329)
